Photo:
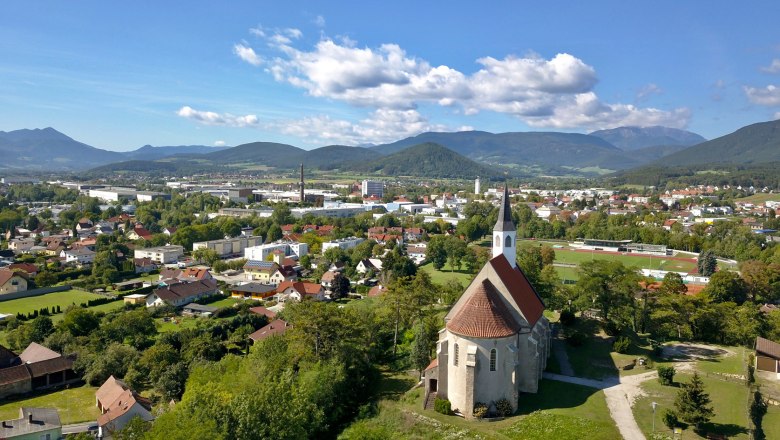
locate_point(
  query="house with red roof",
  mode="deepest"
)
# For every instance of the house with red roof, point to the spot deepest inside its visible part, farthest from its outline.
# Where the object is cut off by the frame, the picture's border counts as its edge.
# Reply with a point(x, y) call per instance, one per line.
point(496, 340)
point(118, 405)
point(276, 327)
point(12, 281)
point(298, 291)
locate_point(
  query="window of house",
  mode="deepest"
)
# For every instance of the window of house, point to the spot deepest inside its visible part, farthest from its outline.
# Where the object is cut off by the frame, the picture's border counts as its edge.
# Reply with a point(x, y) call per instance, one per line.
point(493, 360)
point(508, 241)
point(455, 357)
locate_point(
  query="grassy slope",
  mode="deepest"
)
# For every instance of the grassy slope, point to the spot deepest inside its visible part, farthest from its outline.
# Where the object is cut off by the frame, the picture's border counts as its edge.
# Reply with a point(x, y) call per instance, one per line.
point(62, 299)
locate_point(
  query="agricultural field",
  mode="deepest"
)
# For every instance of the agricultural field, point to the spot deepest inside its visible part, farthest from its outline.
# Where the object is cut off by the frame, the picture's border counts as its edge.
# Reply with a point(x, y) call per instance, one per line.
point(759, 198)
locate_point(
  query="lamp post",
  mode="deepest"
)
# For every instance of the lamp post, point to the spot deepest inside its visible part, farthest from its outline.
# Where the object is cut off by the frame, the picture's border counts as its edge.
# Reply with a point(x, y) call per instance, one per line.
point(654, 405)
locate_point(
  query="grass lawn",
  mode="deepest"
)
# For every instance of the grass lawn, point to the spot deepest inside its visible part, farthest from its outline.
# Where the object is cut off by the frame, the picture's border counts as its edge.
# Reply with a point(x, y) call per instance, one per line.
point(759, 198)
point(74, 404)
point(180, 323)
point(771, 422)
point(729, 400)
point(226, 302)
point(62, 299)
point(444, 275)
point(640, 261)
point(567, 274)
point(733, 363)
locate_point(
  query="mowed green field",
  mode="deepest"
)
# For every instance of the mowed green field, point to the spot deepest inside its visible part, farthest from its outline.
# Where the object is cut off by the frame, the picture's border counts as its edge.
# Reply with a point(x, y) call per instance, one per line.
point(62, 299)
point(640, 261)
point(444, 275)
point(75, 405)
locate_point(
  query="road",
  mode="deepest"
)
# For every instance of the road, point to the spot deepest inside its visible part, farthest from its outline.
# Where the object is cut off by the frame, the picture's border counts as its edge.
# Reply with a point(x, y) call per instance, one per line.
point(78, 427)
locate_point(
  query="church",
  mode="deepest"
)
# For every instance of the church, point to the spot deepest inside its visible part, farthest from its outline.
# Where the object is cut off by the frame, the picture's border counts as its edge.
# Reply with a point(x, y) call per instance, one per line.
point(496, 340)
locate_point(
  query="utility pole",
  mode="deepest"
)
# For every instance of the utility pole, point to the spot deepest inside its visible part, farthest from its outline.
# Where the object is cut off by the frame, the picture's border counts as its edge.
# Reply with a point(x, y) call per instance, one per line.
point(303, 197)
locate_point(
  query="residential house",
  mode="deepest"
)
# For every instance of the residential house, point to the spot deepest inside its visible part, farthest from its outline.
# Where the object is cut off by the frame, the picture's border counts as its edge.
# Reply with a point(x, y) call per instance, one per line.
point(161, 254)
point(118, 405)
point(327, 279)
point(36, 368)
point(78, 256)
point(257, 270)
point(181, 294)
point(253, 291)
point(19, 245)
point(139, 233)
point(263, 311)
point(342, 243)
point(413, 234)
point(276, 327)
point(417, 252)
point(12, 281)
point(298, 290)
point(84, 224)
point(229, 246)
point(33, 423)
point(282, 274)
point(369, 264)
point(768, 356)
point(28, 268)
point(144, 265)
point(173, 276)
point(195, 309)
point(169, 231)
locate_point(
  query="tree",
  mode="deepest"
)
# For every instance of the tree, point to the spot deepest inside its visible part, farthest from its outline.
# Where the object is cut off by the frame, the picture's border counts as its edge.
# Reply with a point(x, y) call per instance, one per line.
point(672, 285)
point(693, 403)
point(608, 285)
point(80, 321)
point(209, 256)
point(548, 255)
point(340, 286)
point(725, 286)
point(420, 353)
point(707, 263)
point(45, 279)
point(274, 233)
point(135, 429)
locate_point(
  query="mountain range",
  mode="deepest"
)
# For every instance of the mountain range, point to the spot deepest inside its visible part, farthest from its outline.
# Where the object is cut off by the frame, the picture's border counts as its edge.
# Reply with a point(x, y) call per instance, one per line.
point(476, 152)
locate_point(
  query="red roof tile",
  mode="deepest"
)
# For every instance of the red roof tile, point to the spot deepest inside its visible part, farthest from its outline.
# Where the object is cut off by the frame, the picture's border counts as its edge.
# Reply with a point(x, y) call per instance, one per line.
point(276, 327)
point(526, 298)
point(484, 315)
point(767, 347)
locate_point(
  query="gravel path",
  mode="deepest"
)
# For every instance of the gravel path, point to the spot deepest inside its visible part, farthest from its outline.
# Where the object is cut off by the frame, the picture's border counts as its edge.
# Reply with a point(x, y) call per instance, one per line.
point(620, 392)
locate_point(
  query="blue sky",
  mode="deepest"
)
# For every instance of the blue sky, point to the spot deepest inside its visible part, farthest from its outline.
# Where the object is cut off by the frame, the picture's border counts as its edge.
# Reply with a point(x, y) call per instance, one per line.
point(119, 75)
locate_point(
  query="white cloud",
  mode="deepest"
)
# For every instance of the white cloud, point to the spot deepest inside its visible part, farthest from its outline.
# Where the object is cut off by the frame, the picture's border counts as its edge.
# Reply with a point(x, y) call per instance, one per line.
point(219, 143)
point(212, 118)
point(380, 126)
point(769, 95)
point(773, 67)
point(247, 54)
point(647, 91)
point(556, 92)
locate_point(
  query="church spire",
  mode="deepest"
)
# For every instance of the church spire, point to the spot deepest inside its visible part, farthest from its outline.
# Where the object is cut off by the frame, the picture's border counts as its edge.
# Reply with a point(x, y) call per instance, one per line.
point(505, 222)
point(505, 232)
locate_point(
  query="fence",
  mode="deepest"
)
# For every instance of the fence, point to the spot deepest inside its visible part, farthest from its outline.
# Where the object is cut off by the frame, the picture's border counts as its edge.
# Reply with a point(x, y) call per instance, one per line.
point(33, 292)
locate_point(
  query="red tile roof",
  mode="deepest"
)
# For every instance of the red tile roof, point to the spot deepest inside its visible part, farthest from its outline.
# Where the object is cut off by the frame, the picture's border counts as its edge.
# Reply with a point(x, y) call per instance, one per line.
point(263, 311)
point(6, 275)
point(767, 347)
point(524, 295)
point(276, 327)
point(484, 315)
point(301, 287)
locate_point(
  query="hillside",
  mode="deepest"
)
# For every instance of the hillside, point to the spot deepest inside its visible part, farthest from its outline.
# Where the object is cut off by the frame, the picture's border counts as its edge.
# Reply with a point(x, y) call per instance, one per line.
point(148, 152)
point(47, 149)
point(524, 149)
point(754, 144)
point(635, 138)
point(287, 156)
point(337, 156)
point(426, 160)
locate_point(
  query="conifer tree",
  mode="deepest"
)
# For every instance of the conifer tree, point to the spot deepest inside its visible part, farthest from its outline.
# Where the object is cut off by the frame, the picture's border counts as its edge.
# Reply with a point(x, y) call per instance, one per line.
point(693, 403)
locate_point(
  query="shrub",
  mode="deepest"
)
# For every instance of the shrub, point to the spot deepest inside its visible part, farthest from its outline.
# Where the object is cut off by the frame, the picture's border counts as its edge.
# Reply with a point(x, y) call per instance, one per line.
point(670, 419)
point(567, 318)
point(480, 410)
point(442, 406)
point(611, 328)
point(576, 338)
point(751, 374)
point(666, 375)
point(621, 344)
point(504, 408)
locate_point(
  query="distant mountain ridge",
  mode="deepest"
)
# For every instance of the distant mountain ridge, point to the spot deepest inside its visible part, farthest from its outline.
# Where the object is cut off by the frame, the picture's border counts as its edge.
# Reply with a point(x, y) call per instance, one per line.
point(149, 152)
point(635, 138)
point(426, 160)
point(47, 149)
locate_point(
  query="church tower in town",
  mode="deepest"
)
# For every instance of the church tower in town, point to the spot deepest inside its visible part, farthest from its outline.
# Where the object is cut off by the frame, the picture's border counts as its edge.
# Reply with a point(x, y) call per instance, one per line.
point(505, 232)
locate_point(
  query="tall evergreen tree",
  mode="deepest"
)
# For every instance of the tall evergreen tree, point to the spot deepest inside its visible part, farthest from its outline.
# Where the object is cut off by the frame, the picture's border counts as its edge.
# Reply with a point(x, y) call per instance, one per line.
point(707, 263)
point(693, 403)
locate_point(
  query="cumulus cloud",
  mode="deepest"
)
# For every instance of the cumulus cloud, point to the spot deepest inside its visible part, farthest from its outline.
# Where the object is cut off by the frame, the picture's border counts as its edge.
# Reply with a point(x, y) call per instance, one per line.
point(247, 54)
point(381, 126)
point(768, 96)
point(213, 118)
point(773, 67)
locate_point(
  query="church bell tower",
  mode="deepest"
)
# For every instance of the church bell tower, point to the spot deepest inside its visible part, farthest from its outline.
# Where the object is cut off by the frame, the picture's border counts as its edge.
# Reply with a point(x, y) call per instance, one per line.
point(505, 232)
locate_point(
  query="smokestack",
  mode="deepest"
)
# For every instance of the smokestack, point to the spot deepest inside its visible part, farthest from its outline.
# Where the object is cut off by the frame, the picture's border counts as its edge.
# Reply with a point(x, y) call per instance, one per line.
point(303, 198)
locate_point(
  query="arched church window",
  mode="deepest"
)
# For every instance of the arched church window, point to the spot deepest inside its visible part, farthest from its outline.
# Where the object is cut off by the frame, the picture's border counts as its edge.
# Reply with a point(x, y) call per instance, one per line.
point(493, 360)
point(498, 241)
point(455, 357)
point(508, 241)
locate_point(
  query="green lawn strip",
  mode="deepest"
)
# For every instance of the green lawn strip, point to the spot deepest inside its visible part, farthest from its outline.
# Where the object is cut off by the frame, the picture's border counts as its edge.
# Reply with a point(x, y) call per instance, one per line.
point(62, 299)
point(563, 411)
point(567, 274)
point(227, 302)
point(177, 323)
point(729, 364)
point(75, 405)
point(729, 400)
point(444, 275)
point(771, 422)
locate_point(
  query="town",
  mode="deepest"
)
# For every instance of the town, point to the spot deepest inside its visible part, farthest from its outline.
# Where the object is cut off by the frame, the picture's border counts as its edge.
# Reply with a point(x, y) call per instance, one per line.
point(122, 307)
